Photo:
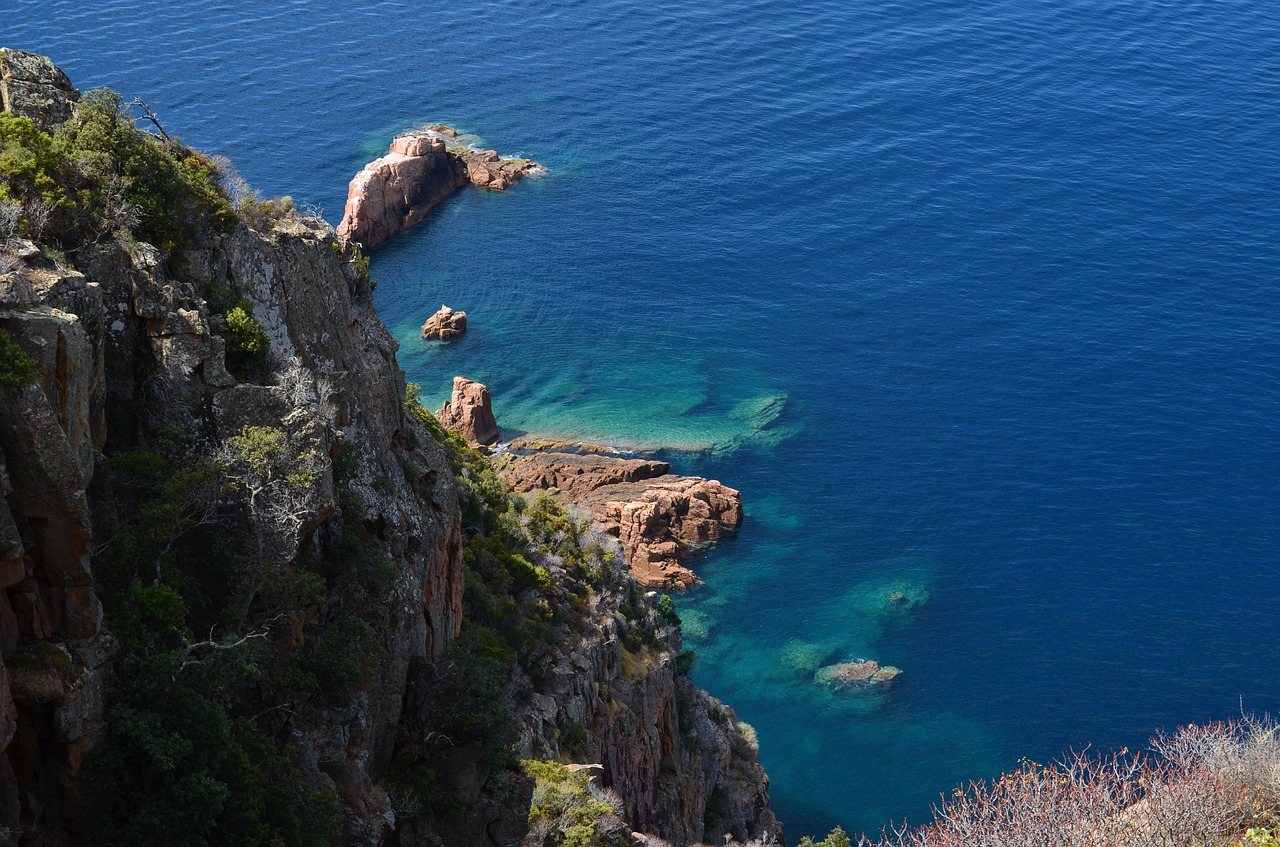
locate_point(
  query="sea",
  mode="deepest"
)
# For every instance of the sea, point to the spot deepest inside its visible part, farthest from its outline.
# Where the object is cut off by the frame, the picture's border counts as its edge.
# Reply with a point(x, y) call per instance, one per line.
point(974, 300)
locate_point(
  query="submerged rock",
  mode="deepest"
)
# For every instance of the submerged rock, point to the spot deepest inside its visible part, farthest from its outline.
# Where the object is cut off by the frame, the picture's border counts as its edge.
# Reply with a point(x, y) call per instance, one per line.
point(470, 412)
point(445, 325)
point(855, 676)
point(803, 656)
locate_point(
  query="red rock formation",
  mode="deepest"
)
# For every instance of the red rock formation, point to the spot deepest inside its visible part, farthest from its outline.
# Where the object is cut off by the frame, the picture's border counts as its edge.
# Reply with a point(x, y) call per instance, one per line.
point(470, 412)
point(658, 516)
point(445, 325)
point(393, 193)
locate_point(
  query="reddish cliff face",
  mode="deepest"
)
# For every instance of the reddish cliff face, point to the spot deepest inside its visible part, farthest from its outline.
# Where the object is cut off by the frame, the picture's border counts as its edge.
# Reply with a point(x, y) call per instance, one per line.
point(395, 192)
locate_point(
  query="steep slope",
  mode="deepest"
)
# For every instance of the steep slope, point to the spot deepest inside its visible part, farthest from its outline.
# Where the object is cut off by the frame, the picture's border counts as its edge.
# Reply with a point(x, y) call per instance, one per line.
point(203, 431)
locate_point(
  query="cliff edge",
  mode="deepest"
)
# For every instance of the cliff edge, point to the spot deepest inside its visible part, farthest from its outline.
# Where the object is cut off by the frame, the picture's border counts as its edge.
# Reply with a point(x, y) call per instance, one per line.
point(250, 592)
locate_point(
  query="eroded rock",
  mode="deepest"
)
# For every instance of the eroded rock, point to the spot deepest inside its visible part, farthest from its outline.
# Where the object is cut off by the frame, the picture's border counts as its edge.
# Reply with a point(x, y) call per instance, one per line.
point(445, 325)
point(32, 86)
point(659, 517)
point(470, 412)
point(395, 192)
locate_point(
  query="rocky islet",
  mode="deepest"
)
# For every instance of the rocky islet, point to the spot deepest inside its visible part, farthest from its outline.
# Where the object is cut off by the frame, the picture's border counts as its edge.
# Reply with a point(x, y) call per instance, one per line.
point(395, 192)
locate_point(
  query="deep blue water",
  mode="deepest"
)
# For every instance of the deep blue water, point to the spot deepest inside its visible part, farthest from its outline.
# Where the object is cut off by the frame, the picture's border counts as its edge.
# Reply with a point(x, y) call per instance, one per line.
point(1006, 268)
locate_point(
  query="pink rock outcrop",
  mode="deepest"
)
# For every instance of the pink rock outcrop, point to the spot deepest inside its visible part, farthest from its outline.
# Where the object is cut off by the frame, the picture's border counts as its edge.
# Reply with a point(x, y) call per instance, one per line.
point(470, 412)
point(393, 193)
point(445, 325)
point(396, 191)
point(658, 517)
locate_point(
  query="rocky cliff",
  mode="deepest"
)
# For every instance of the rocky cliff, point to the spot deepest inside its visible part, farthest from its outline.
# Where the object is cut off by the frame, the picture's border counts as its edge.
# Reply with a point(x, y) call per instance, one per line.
point(210, 439)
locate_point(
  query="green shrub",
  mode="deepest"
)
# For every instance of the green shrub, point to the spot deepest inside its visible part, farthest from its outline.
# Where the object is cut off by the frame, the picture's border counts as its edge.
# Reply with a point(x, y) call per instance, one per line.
point(566, 812)
point(17, 369)
point(667, 609)
point(32, 171)
point(247, 342)
point(837, 838)
point(263, 215)
point(174, 190)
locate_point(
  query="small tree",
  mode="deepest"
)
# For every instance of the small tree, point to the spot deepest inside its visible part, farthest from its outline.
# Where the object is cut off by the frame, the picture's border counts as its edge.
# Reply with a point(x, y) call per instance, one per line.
point(276, 479)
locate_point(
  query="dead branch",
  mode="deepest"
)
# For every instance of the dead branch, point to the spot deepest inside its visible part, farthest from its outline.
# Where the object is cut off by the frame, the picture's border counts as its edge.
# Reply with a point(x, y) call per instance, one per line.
point(149, 115)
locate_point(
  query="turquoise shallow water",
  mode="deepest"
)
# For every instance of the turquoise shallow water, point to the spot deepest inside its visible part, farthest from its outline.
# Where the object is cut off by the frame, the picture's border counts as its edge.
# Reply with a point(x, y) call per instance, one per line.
point(974, 302)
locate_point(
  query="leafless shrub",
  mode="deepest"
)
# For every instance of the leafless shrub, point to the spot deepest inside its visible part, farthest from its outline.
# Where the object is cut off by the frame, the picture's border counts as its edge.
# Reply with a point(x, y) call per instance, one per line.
point(763, 841)
point(10, 222)
point(1198, 787)
point(312, 212)
point(305, 389)
point(235, 185)
point(37, 213)
point(609, 796)
point(118, 212)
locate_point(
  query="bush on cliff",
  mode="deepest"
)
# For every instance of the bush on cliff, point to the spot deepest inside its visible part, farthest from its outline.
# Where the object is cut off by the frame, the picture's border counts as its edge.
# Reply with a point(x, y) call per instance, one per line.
point(32, 168)
point(17, 369)
point(247, 342)
point(101, 174)
point(568, 810)
point(1203, 786)
point(193, 753)
point(837, 838)
point(123, 175)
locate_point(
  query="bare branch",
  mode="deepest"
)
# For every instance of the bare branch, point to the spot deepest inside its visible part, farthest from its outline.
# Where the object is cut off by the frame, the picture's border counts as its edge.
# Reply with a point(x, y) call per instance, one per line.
point(192, 650)
point(149, 115)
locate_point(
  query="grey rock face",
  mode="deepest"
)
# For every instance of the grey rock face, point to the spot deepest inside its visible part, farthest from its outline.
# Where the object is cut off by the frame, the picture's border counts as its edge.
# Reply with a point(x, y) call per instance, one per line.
point(32, 86)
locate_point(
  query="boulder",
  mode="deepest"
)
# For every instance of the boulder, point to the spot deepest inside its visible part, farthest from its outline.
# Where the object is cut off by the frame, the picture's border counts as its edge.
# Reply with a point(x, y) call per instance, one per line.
point(395, 192)
point(32, 86)
point(445, 325)
point(855, 676)
point(470, 412)
point(659, 517)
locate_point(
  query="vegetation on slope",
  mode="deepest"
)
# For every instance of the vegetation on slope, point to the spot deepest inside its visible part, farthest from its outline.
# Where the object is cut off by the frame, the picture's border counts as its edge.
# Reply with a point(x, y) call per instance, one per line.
point(531, 569)
point(201, 695)
point(568, 811)
point(99, 174)
point(1202, 786)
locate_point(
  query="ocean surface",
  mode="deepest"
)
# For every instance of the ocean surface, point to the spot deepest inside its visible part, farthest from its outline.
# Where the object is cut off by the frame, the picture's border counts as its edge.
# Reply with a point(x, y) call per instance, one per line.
point(974, 300)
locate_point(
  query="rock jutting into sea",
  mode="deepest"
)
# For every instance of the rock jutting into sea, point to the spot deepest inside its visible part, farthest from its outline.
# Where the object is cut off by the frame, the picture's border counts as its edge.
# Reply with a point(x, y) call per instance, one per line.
point(659, 517)
point(470, 412)
point(395, 192)
point(445, 325)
